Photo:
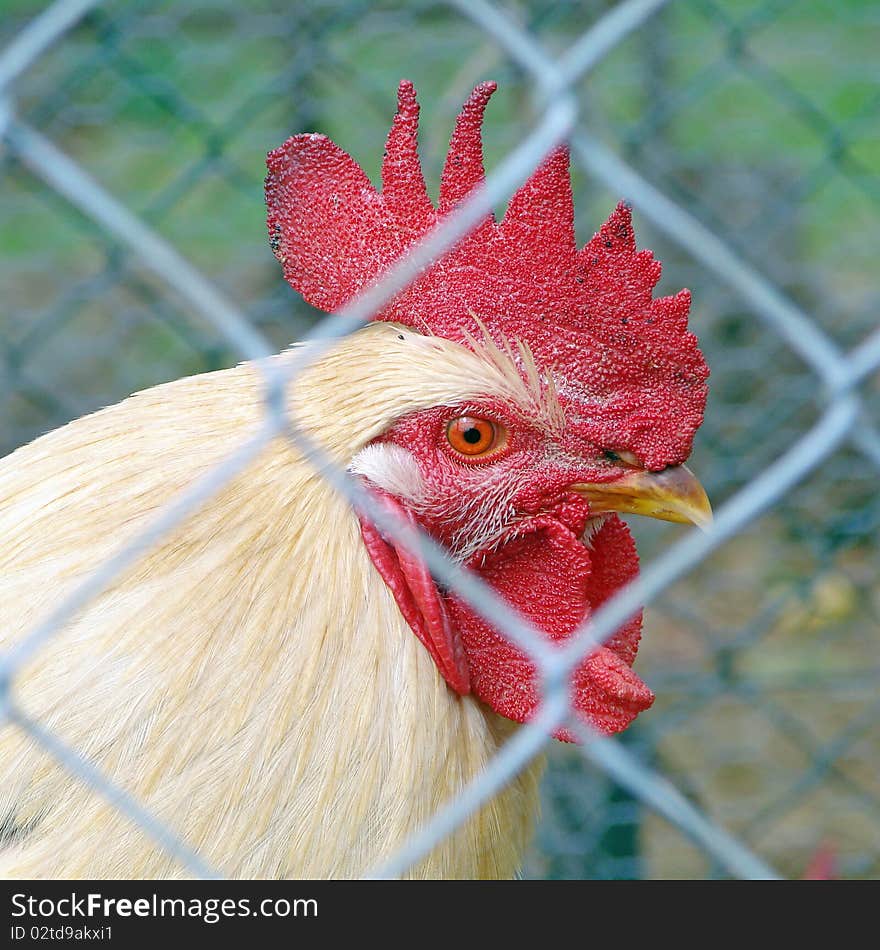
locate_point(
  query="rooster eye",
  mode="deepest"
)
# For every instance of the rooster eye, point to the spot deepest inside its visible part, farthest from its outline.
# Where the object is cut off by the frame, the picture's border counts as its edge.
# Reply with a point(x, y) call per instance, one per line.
point(621, 457)
point(474, 437)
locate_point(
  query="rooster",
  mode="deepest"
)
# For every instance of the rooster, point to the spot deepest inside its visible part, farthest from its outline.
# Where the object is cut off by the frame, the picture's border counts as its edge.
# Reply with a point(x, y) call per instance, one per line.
point(277, 679)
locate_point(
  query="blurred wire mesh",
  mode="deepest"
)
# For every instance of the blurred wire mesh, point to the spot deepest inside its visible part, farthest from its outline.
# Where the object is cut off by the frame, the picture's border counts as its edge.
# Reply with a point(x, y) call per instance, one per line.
point(760, 118)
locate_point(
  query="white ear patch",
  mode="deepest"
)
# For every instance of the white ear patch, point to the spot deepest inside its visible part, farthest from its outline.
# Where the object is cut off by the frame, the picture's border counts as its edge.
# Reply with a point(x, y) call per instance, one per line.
point(391, 468)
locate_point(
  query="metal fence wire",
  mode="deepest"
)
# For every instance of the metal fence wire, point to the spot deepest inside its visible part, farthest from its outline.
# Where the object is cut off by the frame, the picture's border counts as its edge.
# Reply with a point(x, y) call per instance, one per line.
point(744, 133)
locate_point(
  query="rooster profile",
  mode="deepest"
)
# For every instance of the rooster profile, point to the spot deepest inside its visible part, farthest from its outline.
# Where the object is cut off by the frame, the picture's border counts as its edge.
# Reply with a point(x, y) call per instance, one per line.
point(282, 684)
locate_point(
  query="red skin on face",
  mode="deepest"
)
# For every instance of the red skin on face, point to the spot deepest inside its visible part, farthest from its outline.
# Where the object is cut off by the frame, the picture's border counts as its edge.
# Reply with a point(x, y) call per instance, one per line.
point(535, 560)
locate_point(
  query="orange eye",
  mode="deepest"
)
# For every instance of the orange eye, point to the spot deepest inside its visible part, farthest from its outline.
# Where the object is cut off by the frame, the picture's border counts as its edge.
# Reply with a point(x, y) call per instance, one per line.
point(473, 437)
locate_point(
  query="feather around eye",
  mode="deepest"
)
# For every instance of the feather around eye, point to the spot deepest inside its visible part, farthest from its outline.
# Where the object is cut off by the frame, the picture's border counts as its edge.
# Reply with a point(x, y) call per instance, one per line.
point(475, 439)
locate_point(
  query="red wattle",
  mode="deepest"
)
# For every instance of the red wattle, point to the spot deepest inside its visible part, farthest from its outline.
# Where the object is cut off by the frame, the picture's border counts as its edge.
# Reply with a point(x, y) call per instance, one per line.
point(415, 592)
point(549, 576)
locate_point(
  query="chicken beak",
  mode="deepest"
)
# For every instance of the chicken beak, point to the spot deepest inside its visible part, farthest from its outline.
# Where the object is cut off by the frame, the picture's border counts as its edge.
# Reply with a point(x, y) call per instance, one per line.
point(674, 494)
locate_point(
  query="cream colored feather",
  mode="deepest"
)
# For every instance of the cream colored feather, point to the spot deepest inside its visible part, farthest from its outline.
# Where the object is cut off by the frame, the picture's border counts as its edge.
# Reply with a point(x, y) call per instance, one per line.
point(250, 680)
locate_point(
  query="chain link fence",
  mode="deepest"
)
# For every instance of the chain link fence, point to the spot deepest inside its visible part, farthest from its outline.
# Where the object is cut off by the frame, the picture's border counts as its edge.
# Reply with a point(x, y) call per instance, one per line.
point(747, 137)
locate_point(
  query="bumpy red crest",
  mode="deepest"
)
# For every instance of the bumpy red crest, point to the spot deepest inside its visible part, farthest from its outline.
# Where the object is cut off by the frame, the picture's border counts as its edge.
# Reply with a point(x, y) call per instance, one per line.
point(588, 315)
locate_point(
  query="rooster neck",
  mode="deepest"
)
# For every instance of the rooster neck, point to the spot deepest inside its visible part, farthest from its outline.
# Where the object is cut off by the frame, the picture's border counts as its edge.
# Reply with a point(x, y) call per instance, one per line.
point(251, 681)
point(405, 730)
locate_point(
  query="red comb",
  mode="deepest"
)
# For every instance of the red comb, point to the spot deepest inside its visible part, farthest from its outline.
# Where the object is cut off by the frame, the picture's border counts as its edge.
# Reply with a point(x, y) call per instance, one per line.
point(588, 316)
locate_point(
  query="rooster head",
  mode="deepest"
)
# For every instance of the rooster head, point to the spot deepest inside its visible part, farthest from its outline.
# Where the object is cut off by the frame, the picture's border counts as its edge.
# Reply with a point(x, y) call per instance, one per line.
point(597, 389)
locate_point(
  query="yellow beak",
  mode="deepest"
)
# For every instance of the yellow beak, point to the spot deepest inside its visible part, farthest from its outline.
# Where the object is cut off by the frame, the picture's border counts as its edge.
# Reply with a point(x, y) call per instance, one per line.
point(674, 494)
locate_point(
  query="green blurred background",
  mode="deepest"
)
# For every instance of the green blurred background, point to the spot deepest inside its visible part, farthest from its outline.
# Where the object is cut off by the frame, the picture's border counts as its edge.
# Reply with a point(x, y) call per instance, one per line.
point(761, 117)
